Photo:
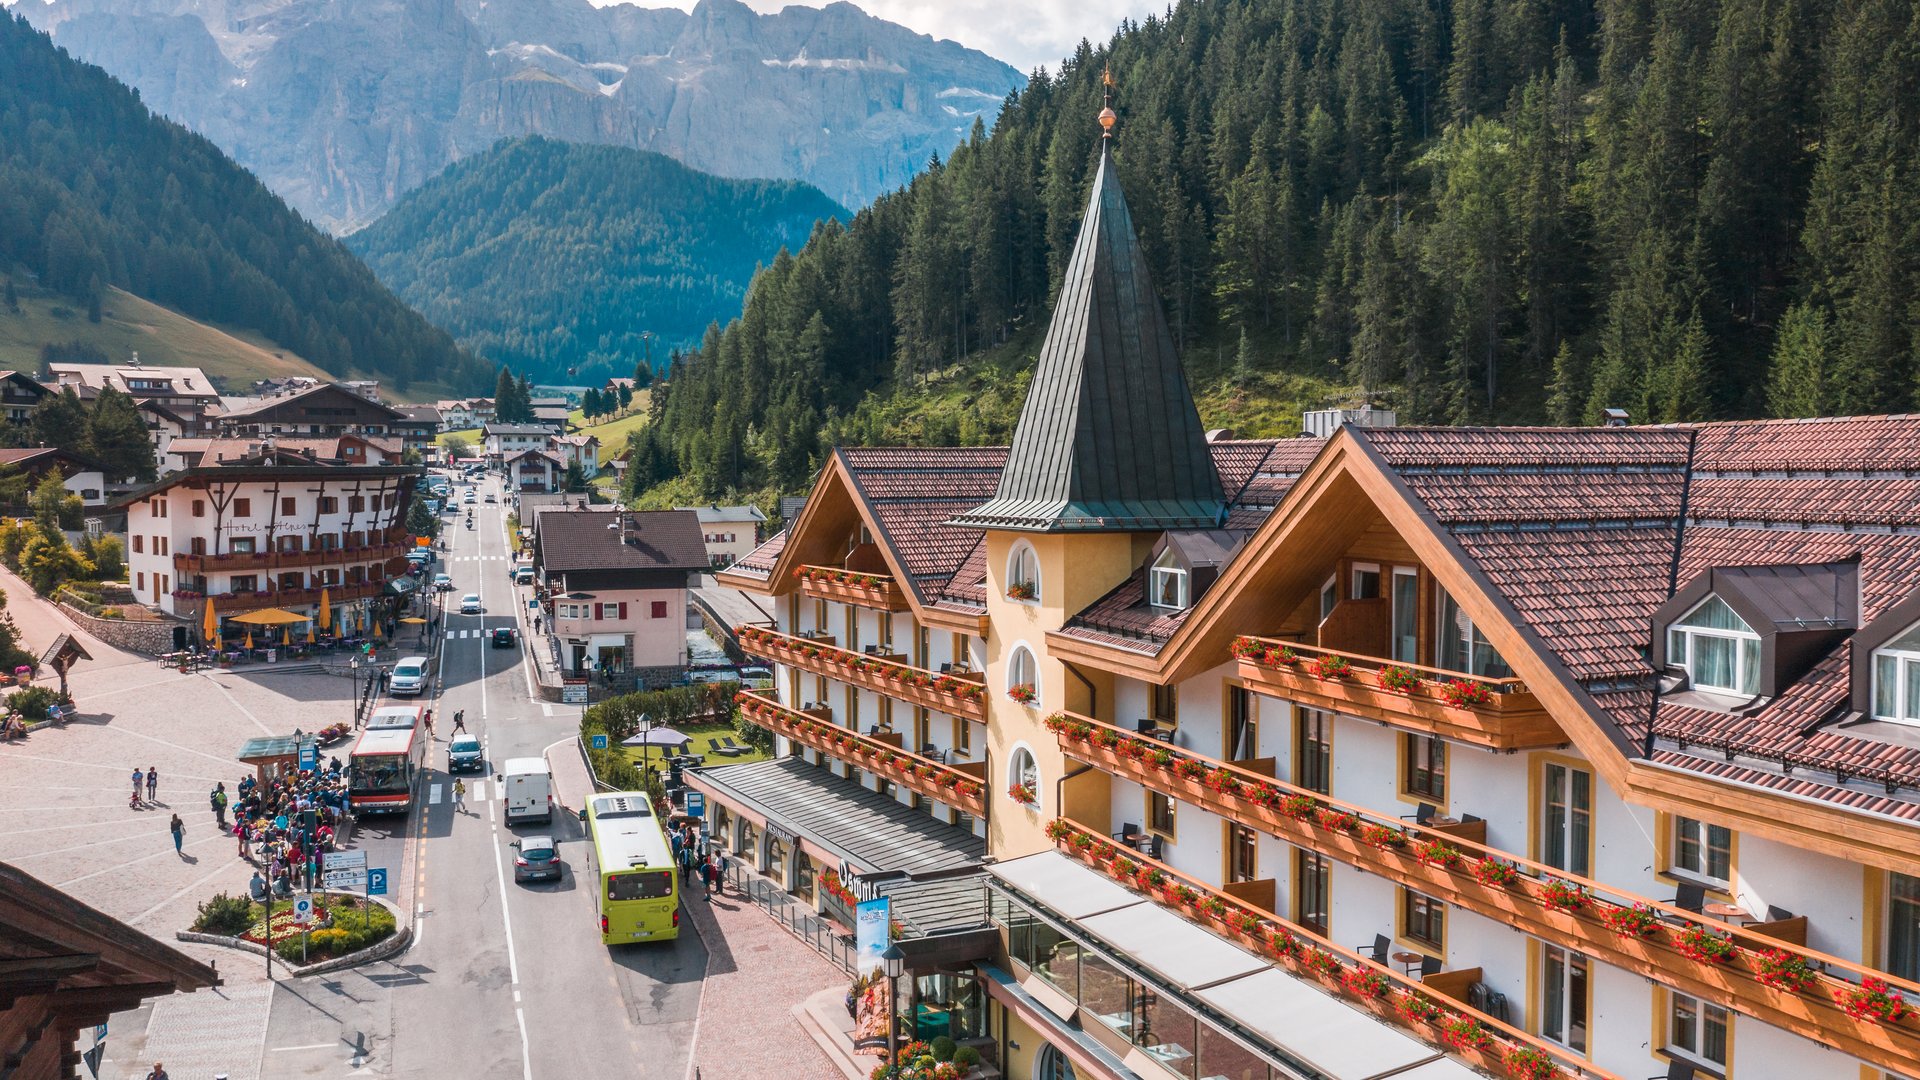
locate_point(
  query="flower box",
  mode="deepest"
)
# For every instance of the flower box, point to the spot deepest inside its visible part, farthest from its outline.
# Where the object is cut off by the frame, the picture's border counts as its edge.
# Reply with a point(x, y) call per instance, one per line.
point(1021, 590)
point(1636, 921)
point(1024, 794)
point(1873, 1000)
point(1563, 895)
point(1464, 694)
point(1329, 667)
point(1364, 983)
point(1398, 680)
point(1702, 945)
point(1783, 970)
point(1495, 872)
point(1023, 693)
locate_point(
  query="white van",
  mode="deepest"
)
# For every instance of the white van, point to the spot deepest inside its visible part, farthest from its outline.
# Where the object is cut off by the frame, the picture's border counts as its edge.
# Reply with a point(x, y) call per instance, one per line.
point(409, 677)
point(526, 790)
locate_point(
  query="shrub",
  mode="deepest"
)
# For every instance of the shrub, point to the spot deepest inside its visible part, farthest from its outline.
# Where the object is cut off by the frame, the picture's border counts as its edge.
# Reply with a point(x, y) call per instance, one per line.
point(224, 914)
point(942, 1048)
point(32, 702)
point(966, 1057)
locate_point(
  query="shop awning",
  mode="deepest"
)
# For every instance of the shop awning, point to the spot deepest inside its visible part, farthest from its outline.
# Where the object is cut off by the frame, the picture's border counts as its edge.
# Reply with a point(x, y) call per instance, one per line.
point(401, 586)
point(1298, 1020)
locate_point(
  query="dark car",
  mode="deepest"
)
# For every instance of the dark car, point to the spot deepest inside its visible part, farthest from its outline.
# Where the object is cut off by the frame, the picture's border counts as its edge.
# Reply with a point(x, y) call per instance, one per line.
point(537, 858)
point(465, 755)
point(502, 637)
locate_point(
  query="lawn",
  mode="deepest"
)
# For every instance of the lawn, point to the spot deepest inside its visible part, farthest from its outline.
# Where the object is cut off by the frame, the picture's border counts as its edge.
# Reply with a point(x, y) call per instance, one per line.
point(612, 433)
point(699, 734)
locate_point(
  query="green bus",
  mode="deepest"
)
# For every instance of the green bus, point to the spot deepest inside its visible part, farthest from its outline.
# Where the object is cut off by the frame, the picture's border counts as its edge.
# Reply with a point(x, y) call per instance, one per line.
point(639, 887)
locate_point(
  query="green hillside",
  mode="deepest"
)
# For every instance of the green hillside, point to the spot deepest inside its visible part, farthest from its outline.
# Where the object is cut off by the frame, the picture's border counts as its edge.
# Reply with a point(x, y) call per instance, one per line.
point(1464, 210)
point(97, 193)
point(559, 259)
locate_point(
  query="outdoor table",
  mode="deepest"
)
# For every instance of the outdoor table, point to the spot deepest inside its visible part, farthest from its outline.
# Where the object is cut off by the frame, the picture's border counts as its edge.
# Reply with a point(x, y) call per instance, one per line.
point(1408, 961)
point(1727, 911)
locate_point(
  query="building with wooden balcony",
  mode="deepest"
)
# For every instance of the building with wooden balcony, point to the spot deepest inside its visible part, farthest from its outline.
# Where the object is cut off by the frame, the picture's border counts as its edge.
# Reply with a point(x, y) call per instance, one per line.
point(277, 529)
point(1415, 752)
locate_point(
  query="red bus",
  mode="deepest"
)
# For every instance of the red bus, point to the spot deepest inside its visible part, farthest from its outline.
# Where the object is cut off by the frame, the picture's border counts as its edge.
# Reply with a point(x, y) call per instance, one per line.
point(384, 769)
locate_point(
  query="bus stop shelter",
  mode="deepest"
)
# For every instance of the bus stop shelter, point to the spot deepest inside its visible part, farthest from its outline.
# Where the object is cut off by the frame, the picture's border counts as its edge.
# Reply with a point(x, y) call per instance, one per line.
point(274, 756)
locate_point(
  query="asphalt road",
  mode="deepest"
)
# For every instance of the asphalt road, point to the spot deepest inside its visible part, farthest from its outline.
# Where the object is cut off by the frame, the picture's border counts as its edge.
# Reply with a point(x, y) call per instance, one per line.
point(504, 980)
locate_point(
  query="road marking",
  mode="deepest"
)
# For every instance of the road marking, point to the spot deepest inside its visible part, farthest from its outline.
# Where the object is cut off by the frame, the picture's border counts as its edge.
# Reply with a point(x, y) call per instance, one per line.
point(479, 791)
point(526, 1053)
point(235, 702)
point(434, 793)
point(117, 867)
point(546, 708)
point(194, 887)
point(309, 1046)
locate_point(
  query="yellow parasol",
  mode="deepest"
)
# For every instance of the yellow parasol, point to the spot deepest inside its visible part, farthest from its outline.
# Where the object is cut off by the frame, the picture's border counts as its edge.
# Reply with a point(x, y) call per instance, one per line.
point(310, 634)
point(209, 622)
point(249, 640)
point(414, 620)
point(326, 609)
point(269, 617)
point(376, 630)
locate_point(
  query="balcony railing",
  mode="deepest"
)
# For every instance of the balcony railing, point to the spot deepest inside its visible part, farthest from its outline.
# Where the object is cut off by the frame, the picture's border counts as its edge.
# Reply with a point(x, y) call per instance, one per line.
point(852, 587)
point(1500, 714)
point(225, 604)
point(1434, 1017)
point(964, 696)
point(1758, 970)
point(954, 785)
point(233, 562)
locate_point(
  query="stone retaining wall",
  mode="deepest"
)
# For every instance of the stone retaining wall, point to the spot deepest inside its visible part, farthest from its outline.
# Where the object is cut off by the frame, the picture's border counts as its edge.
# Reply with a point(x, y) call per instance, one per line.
point(380, 950)
point(144, 636)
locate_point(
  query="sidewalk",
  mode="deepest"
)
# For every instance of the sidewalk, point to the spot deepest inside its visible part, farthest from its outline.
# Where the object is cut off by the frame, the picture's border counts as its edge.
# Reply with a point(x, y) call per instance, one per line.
point(758, 978)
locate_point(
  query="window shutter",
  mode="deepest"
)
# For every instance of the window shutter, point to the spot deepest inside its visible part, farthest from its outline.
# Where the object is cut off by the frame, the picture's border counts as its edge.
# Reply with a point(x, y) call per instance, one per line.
point(623, 611)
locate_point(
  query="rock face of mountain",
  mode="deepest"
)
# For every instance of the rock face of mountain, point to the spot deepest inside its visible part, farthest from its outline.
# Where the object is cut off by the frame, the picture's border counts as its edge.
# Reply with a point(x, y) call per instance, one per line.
point(342, 106)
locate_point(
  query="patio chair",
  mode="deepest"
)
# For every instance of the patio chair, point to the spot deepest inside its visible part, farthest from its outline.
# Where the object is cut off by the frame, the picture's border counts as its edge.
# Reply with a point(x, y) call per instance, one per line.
point(1778, 914)
point(713, 746)
point(1689, 896)
point(1376, 952)
point(1468, 819)
point(1422, 814)
point(1429, 965)
point(1151, 846)
point(1127, 828)
point(1677, 1070)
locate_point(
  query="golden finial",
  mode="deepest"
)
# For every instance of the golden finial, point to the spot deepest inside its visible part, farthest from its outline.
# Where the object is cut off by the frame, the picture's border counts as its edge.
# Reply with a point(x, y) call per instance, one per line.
point(1107, 116)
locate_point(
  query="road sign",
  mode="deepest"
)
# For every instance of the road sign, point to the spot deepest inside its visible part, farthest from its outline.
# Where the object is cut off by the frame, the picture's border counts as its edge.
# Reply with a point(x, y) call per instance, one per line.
point(100, 1033)
point(599, 742)
point(376, 881)
point(350, 879)
point(574, 694)
point(696, 804)
point(303, 909)
point(344, 860)
point(310, 756)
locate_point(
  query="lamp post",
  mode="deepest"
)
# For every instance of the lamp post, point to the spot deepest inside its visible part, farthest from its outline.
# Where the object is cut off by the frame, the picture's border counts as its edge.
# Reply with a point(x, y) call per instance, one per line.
point(353, 662)
point(646, 732)
point(896, 965)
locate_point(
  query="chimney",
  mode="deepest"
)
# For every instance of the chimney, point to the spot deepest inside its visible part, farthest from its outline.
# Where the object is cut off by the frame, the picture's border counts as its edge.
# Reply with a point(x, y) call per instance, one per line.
point(1615, 418)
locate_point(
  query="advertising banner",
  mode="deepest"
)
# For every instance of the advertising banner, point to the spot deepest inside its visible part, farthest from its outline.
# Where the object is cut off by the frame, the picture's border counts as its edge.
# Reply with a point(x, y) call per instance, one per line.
point(870, 1004)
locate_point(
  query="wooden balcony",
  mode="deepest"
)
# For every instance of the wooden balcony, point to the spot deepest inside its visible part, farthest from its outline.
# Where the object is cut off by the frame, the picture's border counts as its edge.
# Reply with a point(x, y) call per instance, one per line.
point(1422, 1010)
point(225, 604)
point(1631, 932)
point(962, 695)
point(878, 591)
point(1500, 714)
point(963, 786)
point(270, 561)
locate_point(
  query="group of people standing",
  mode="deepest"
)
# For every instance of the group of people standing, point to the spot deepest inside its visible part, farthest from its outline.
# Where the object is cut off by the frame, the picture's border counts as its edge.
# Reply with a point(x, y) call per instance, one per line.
point(286, 825)
point(712, 867)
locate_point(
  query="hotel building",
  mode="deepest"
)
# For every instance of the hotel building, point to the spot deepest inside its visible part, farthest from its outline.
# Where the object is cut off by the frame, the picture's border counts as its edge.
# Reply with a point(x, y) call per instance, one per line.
point(1422, 753)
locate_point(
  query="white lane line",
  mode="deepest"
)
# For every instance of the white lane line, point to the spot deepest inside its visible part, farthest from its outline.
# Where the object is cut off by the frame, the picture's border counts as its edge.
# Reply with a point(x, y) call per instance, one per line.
point(195, 887)
point(526, 1053)
point(235, 702)
point(117, 867)
point(433, 794)
point(546, 708)
point(479, 791)
point(125, 773)
point(310, 1046)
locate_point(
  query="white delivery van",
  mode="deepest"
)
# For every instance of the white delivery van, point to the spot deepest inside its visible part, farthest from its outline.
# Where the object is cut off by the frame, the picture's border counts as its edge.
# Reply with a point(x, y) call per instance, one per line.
point(526, 790)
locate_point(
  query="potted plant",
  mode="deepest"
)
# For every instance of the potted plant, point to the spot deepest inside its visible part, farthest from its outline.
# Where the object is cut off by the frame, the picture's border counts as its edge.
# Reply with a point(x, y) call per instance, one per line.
point(1022, 693)
point(1783, 970)
point(1439, 853)
point(1637, 920)
point(1321, 962)
point(1021, 590)
point(1246, 648)
point(1382, 836)
point(1023, 793)
point(1329, 667)
point(1873, 1000)
point(1703, 945)
point(1298, 807)
point(1465, 694)
point(1529, 1063)
point(1563, 895)
point(1398, 679)
point(1364, 983)
point(1280, 655)
point(1495, 872)
point(1338, 821)
point(1465, 1033)
point(1222, 780)
point(1417, 1010)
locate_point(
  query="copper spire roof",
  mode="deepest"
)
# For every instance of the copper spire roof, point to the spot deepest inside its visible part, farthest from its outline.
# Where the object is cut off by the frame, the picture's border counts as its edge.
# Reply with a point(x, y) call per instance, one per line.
point(1109, 439)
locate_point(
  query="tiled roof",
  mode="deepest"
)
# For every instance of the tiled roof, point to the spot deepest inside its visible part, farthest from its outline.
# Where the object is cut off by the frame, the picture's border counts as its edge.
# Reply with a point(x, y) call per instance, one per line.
point(913, 493)
point(759, 562)
point(650, 540)
point(1577, 531)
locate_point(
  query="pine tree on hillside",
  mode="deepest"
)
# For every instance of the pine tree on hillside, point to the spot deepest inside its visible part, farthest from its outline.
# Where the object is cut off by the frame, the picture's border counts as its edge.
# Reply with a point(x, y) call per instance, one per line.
point(118, 438)
point(1800, 383)
point(61, 420)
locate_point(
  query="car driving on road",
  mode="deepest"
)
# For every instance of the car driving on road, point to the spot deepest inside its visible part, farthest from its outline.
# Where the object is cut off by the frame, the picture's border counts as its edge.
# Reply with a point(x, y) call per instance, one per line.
point(464, 755)
point(442, 583)
point(537, 859)
point(409, 677)
point(502, 637)
point(470, 604)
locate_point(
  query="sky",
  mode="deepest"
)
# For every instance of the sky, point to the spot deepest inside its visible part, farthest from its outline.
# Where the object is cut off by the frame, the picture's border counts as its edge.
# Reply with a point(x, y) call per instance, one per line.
point(1024, 33)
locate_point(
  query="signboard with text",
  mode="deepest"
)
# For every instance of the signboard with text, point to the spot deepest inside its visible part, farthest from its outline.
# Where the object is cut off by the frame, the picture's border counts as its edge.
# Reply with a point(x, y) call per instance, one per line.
point(871, 1004)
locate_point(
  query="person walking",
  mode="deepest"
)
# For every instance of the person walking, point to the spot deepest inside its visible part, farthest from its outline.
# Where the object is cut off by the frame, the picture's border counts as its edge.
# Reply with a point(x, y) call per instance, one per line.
point(159, 1072)
point(217, 799)
point(240, 831)
point(459, 720)
point(138, 779)
point(688, 861)
point(459, 796)
point(429, 725)
point(179, 830)
point(153, 782)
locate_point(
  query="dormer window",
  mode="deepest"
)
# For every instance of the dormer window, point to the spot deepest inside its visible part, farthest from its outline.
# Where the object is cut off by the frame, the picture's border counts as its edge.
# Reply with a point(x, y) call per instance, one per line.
point(1896, 678)
point(1168, 583)
point(1716, 648)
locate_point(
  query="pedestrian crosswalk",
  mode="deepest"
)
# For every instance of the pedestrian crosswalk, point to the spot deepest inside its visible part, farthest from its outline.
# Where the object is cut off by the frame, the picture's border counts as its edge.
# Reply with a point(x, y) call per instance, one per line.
point(454, 635)
point(476, 558)
point(477, 791)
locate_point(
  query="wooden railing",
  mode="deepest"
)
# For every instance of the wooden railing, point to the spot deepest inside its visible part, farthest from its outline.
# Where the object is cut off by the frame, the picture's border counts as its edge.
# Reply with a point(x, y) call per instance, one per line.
point(961, 786)
point(852, 587)
point(1441, 1020)
point(232, 562)
point(963, 695)
point(225, 604)
point(1500, 714)
point(1759, 970)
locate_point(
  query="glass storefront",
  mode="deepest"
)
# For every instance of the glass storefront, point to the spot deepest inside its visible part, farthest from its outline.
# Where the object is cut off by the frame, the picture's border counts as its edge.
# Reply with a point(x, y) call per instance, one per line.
point(949, 1004)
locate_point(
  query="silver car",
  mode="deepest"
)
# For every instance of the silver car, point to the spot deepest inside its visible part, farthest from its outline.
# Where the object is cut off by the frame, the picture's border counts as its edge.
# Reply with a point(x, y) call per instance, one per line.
point(470, 604)
point(536, 858)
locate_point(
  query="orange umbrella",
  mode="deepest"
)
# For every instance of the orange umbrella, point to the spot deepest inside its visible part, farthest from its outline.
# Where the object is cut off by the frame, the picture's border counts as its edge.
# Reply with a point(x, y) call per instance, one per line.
point(326, 609)
point(209, 622)
point(249, 641)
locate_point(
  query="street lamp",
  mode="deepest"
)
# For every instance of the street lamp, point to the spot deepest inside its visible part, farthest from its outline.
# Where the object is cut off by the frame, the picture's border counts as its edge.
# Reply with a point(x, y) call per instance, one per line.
point(646, 731)
point(353, 662)
point(895, 963)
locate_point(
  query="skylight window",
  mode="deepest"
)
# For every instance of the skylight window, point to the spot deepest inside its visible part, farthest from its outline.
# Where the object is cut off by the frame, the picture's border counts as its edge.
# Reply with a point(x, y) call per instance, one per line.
point(1717, 649)
point(1168, 583)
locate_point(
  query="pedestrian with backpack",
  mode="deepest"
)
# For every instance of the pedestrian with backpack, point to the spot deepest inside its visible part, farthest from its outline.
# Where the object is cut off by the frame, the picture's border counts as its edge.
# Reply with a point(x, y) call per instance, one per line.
point(217, 799)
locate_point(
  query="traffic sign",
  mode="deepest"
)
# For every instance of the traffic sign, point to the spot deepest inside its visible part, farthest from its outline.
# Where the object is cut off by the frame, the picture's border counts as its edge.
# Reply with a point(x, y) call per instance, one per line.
point(696, 804)
point(342, 860)
point(303, 909)
point(351, 878)
point(310, 756)
point(599, 742)
point(377, 881)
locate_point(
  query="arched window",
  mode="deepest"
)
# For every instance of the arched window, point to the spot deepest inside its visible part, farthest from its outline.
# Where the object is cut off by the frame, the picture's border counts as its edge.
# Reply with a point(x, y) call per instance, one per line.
point(1168, 582)
point(1023, 572)
point(1023, 777)
point(1023, 676)
point(1896, 678)
point(1717, 648)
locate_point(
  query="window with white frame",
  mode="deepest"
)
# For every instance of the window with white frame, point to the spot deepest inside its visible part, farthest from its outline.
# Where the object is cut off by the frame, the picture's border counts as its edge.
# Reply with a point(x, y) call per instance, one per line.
point(1463, 647)
point(1023, 572)
point(1168, 582)
point(1023, 777)
point(1896, 678)
point(1563, 996)
point(1702, 851)
point(1023, 676)
point(1716, 648)
point(1697, 1030)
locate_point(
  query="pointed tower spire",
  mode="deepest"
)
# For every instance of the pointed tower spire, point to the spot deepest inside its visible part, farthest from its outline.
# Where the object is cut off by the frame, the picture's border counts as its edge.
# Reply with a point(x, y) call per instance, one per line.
point(1109, 439)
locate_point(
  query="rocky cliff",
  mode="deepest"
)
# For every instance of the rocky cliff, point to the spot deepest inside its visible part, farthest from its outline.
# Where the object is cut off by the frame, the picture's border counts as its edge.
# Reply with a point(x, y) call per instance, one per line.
point(342, 106)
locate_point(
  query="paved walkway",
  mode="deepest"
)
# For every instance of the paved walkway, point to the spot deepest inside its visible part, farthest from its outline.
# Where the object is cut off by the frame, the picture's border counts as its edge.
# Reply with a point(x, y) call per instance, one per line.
point(757, 974)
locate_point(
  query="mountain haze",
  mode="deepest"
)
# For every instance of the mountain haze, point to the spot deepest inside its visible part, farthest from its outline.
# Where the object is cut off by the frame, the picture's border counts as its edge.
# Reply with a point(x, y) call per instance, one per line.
point(97, 192)
point(342, 106)
point(550, 256)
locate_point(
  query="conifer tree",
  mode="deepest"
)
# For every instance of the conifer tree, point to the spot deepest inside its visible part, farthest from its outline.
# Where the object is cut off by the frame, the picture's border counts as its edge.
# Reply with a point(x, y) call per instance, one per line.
point(1799, 383)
